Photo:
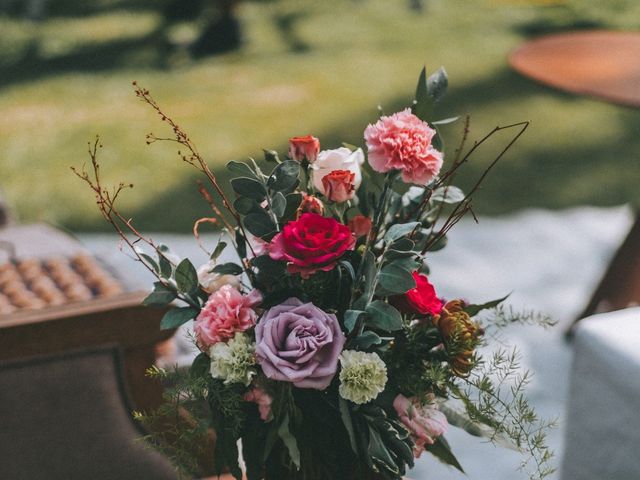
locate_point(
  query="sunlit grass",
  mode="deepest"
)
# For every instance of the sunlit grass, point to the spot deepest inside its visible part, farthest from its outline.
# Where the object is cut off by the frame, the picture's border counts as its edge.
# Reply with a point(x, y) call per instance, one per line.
point(360, 54)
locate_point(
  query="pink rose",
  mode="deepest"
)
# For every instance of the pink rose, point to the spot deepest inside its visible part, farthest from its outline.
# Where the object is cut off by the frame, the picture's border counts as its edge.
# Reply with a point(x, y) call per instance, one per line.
point(360, 225)
point(304, 147)
point(309, 204)
point(403, 142)
point(424, 421)
point(263, 400)
point(226, 312)
point(339, 185)
point(311, 243)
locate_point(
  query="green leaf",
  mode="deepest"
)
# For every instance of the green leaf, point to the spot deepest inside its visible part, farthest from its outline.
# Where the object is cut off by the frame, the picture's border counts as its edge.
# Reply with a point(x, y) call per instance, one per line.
point(246, 205)
point(475, 309)
point(259, 224)
point(248, 187)
point(165, 266)
point(422, 103)
point(218, 250)
point(369, 273)
point(186, 277)
point(293, 202)
point(411, 263)
point(395, 279)
point(437, 84)
point(448, 194)
point(367, 339)
point(400, 230)
point(150, 261)
point(380, 454)
point(177, 316)
point(241, 168)
point(351, 318)
point(402, 244)
point(383, 316)
point(284, 176)
point(228, 269)
point(160, 296)
point(278, 204)
point(445, 121)
point(289, 440)
point(349, 268)
point(200, 366)
point(345, 415)
point(441, 450)
point(241, 243)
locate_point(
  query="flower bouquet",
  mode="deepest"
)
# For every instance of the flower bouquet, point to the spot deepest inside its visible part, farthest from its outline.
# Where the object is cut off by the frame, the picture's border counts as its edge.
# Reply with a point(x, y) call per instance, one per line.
point(326, 352)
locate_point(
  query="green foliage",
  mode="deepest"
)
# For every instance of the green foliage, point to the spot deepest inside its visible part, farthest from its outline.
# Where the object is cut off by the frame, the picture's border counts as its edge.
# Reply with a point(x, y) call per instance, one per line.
point(186, 277)
point(177, 316)
point(493, 395)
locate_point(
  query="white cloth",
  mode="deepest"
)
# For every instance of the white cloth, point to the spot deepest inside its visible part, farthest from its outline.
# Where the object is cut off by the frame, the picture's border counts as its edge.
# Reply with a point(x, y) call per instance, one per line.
point(603, 421)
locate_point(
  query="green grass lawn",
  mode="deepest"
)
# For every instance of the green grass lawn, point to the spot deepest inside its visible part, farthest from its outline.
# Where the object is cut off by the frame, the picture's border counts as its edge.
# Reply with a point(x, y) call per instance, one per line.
point(66, 79)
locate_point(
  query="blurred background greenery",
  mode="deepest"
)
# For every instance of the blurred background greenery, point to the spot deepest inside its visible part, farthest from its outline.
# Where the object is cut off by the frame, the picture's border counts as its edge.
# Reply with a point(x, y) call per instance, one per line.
point(319, 67)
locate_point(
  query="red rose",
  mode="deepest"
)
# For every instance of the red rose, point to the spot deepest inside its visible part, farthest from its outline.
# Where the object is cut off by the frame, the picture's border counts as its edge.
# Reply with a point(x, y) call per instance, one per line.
point(304, 147)
point(360, 225)
point(309, 204)
point(422, 299)
point(311, 243)
point(339, 185)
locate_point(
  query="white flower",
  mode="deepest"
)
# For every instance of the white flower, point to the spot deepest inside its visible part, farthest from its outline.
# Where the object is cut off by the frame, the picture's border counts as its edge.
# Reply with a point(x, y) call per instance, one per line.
point(234, 361)
point(362, 377)
point(339, 159)
point(211, 282)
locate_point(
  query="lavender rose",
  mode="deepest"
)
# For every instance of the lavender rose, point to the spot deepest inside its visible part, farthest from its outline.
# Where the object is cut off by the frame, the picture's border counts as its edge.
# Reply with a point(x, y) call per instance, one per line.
point(299, 343)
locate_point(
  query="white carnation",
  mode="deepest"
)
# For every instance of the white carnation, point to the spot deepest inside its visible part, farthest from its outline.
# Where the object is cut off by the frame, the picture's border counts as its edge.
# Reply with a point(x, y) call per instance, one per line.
point(234, 361)
point(363, 376)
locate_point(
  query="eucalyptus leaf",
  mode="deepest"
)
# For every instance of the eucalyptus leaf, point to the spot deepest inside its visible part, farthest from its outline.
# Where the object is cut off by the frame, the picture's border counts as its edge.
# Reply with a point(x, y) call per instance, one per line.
point(345, 415)
point(366, 339)
point(402, 244)
point(228, 269)
point(293, 203)
point(161, 296)
point(448, 194)
point(437, 84)
point(259, 224)
point(218, 250)
point(368, 273)
point(351, 319)
point(289, 441)
point(150, 261)
point(186, 277)
point(284, 176)
point(383, 316)
point(395, 279)
point(200, 366)
point(400, 230)
point(422, 102)
point(445, 121)
point(241, 168)
point(166, 269)
point(241, 243)
point(278, 204)
point(246, 205)
point(177, 316)
point(249, 187)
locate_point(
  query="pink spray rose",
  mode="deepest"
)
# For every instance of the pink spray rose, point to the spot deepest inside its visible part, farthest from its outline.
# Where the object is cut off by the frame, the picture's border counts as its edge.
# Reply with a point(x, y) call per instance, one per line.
point(339, 185)
point(226, 312)
point(311, 243)
point(403, 142)
point(304, 147)
point(263, 400)
point(299, 343)
point(424, 421)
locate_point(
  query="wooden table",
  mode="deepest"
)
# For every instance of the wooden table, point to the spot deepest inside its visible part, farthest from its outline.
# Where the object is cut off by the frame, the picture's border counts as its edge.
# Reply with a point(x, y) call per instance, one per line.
point(602, 64)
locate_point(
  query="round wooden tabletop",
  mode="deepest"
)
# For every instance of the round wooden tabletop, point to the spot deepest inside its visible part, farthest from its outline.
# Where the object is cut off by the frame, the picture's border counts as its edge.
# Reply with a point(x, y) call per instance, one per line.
point(603, 64)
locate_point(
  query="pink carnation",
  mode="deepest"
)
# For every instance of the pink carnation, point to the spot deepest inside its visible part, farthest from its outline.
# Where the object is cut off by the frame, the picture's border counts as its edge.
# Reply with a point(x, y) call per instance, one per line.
point(263, 400)
point(403, 142)
point(226, 312)
point(424, 422)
